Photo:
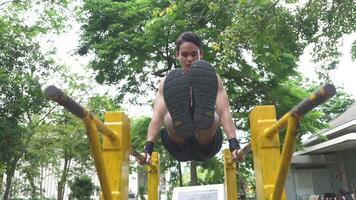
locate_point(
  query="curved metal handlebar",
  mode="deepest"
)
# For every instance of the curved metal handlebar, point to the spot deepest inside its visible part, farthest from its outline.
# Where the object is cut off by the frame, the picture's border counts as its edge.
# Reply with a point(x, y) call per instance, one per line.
point(315, 99)
point(242, 153)
point(140, 157)
point(57, 95)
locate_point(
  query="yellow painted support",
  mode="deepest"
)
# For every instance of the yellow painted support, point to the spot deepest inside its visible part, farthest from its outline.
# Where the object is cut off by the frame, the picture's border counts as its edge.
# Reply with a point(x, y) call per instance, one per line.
point(266, 151)
point(97, 155)
point(116, 154)
point(230, 176)
point(288, 149)
point(153, 177)
point(105, 130)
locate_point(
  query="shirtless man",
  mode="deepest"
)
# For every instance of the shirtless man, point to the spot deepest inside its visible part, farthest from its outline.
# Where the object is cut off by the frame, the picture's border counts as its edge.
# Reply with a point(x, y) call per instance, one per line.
point(191, 101)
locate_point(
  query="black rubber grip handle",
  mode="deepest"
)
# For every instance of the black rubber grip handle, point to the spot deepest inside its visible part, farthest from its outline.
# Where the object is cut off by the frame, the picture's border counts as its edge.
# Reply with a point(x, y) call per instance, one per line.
point(55, 94)
point(316, 98)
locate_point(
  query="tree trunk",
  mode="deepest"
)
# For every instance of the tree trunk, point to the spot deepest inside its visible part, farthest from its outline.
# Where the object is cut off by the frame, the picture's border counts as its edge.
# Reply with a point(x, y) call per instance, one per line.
point(180, 175)
point(63, 180)
point(32, 185)
point(193, 173)
point(9, 175)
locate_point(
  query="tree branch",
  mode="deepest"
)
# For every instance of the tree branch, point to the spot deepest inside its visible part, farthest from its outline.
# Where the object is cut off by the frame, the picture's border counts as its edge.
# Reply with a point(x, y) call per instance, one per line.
point(49, 112)
point(159, 73)
point(5, 2)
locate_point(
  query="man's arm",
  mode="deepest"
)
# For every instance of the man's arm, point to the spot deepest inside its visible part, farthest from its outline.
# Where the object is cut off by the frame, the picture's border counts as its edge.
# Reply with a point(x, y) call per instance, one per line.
point(159, 110)
point(222, 108)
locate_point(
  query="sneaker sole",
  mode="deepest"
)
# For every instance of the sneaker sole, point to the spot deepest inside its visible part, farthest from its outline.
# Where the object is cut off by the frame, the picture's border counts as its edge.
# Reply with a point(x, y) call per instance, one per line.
point(176, 93)
point(204, 82)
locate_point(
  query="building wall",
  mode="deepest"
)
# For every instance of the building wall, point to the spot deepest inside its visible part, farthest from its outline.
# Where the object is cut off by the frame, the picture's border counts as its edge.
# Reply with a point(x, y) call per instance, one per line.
point(289, 186)
point(333, 177)
point(312, 180)
point(336, 171)
point(350, 169)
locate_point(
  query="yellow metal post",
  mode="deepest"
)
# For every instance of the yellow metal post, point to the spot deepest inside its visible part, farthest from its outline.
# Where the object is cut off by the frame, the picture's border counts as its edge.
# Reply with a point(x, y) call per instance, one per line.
point(230, 176)
point(287, 154)
point(116, 154)
point(97, 155)
point(153, 177)
point(266, 151)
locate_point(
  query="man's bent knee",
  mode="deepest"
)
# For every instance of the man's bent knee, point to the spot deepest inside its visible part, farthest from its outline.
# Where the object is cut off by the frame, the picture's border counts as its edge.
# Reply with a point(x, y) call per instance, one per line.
point(170, 130)
point(205, 137)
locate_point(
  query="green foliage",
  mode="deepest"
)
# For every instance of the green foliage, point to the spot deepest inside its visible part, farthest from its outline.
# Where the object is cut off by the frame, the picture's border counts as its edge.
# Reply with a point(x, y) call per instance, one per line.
point(133, 40)
point(100, 104)
point(28, 142)
point(141, 192)
point(211, 172)
point(69, 140)
point(337, 105)
point(81, 188)
point(48, 16)
point(323, 23)
point(22, 67)
point(353, 50)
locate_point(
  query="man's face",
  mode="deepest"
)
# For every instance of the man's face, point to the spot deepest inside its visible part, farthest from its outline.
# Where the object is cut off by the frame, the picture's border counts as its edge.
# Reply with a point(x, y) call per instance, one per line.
point(187, 54)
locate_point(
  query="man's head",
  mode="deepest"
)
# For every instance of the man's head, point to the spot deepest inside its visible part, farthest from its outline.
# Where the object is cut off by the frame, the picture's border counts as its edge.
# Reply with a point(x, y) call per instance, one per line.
point(188, 49)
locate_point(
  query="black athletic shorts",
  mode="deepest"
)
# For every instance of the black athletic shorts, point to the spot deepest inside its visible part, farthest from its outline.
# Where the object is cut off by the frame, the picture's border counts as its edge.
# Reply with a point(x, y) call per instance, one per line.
point(191, 149)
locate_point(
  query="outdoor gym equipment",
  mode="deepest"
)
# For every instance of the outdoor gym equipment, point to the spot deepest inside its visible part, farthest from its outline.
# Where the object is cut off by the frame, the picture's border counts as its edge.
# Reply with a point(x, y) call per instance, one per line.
point(265, 142)
point(113, 159)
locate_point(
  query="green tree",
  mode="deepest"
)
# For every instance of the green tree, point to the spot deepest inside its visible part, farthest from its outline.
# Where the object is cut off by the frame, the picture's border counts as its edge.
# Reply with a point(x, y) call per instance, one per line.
point(71, 147)
point(23, 67)
point(82, 188)
point(39, 154)
point(211, 172)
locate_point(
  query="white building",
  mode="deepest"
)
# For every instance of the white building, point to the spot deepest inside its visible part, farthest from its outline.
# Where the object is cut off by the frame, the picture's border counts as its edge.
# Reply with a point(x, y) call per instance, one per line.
point(326, 167)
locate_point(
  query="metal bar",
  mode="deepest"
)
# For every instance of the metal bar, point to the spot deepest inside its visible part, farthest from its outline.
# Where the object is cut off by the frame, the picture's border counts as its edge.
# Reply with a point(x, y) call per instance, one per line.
point(278, 126)
point(230, 176)
point(57, 95)
point(98, 157)
point(244, 151)
point(153, 178)
point(105, 130)
point(316, 98)
point(287, 153)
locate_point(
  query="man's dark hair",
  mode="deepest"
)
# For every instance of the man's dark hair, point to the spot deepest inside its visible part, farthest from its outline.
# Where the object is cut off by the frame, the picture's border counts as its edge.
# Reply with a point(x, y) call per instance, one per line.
point(188, 37)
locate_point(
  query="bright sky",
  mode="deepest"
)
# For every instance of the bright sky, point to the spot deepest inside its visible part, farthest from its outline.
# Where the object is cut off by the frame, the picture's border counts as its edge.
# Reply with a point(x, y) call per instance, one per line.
point(342, 76)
